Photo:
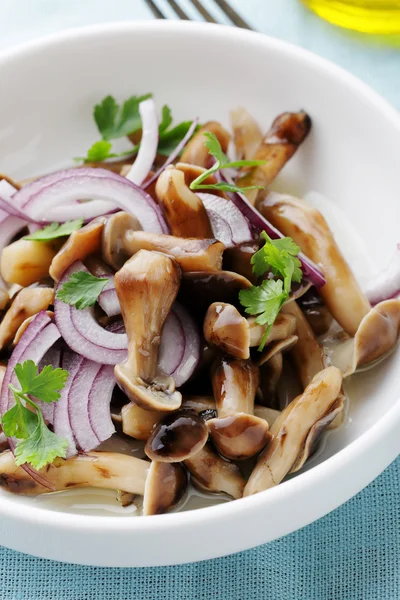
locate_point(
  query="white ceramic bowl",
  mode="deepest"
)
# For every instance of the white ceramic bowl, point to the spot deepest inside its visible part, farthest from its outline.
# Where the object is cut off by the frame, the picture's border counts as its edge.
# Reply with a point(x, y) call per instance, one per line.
point(48, 90)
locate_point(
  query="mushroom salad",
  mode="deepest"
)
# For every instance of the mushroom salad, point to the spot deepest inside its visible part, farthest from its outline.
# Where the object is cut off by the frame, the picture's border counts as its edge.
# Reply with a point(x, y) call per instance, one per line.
point(168, 321)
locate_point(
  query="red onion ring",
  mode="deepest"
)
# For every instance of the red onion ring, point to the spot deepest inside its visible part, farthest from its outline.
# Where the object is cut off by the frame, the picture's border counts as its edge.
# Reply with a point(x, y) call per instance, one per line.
point(61, 423)
point(53, 358)
point(225, 217)
point(78, 401)
point(174, 154)
point(148, 144)
point(191, 353)
point(99, 403)
point(168, 359)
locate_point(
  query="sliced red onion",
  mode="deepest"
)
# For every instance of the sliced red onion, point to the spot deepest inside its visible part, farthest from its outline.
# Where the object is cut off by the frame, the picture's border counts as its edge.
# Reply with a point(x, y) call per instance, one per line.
point(172, 345)
point(310, 269)
point(80, 210)
point(228, 223)
point(191, 353)
point(82, 332)
point(7, 190)
point(78, 401)
point(174, 154)
point(387, 284)
point(99, 403)
point(53, 358)
point(148, 144)
point(65, 187)
point(61, 422)
point(108, 298)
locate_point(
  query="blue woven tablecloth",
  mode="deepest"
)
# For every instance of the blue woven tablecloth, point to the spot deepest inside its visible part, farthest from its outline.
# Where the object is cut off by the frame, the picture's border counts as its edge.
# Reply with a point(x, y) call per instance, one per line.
point(351, 554)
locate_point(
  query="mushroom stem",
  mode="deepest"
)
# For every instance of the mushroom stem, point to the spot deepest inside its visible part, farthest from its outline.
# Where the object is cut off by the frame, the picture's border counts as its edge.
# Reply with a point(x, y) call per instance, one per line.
point(147, 286)
point(247, 135)
point(341, 293)
point(291, 429)
point(236, 433)
point(196, 151)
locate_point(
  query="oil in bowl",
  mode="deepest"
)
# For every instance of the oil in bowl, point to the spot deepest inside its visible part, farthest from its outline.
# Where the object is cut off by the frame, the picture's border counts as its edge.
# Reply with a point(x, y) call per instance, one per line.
point(368, 16)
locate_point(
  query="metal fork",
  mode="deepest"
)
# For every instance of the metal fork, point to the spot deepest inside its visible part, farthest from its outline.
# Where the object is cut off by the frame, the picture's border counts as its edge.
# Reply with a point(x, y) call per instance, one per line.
point(231, 13)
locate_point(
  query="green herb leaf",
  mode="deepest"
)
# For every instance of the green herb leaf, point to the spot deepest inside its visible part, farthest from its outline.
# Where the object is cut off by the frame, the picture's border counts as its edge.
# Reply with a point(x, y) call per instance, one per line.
point(265, 301)
point(166, 118)
point(45, 385)
point(114, 121)
point(54, 231)
point(81, 290)
point(41, 447)
point(222, 162)
point(19, 421)
point(101, 151)
point(168, 140)
point(280, 256)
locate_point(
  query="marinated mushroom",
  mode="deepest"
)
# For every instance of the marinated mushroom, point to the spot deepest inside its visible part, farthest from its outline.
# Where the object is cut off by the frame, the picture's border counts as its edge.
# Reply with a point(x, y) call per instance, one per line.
point(247, 136)
point(147, 286)
point(236, 433)
point(211, 473)
point(341, 293)
point(291, 428)
point(161, 485)
point(270, 374)
point(113, 238)
point(26, 261)
point(196, 152)
point(191, 172)
point(281, 141)
point(183, 210)
point(238, 259)
point(316, 313)
point(376, 336)
point(79, 245)
point(177, 437)
point(27, 303)
point(4, 298)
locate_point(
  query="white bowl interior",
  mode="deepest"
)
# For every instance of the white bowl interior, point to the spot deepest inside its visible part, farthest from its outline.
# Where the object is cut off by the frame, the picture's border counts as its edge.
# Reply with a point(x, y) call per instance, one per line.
point(351, 157)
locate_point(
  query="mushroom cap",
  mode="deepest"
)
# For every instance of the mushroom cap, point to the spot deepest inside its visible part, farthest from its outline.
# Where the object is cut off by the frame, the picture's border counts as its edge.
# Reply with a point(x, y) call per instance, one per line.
point(278, 347)
point(158, 395)
point(165, 486)
point(239, 436)
point(225, 328)
point(112, 239)
point(177, 437)
point(138, 422)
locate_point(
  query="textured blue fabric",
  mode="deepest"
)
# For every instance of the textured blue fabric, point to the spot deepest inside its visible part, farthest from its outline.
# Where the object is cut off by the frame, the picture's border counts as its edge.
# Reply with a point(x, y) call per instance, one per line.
point(351, 554)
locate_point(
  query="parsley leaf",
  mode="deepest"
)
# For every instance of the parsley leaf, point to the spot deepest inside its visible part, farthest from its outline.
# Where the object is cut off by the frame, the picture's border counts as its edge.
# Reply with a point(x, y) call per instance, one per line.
point(81, 290)
point(45, 385)
point(41, 447)
point(54, 231)
point(36, 444)
point(168, 140)
point(222, 162)
point(115, 121)
point(166, 118)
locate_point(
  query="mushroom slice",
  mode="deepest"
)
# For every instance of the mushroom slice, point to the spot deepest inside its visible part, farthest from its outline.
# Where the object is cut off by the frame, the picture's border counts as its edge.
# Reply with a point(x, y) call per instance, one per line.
point(164, 488)
point(177, 437)
point(161, 485)
point(212, 473)
point(199, 289)
point(27, 303)
point(27, 261)
point(316, 313)
point(225, 328)
point(236, 433)
point(79, 245)
point(284, 326)
point(291, 429)
point(270, 374)
point(183, 210)
point(113, 238)
point(247, 136)
point(281, 141)
point(147, 286)
point(238, 259)
point(314, 435)
point(307, 354)
point(196, 151)
point(342, 295)
point(377, 335)
point(191, 254)
point(277, 348)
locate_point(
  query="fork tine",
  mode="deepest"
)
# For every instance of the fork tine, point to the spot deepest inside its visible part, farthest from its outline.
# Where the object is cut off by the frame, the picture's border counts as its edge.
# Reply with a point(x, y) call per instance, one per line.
point(232, 14)
point(155, 10)
point(204, 13)
point(181, 14)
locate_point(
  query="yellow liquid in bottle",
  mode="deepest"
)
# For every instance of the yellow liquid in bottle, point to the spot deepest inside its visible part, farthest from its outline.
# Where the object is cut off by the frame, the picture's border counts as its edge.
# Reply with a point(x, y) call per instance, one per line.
point(370, 16)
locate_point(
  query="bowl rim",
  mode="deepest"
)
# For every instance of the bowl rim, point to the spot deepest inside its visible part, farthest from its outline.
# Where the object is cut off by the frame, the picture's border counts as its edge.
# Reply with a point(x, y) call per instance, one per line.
point(321, 473)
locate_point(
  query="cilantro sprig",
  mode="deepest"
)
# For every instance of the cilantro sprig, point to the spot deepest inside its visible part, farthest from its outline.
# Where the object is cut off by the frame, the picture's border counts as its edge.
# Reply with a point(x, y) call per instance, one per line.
point(279, 257)
point(54, 231)
point(115, 121)
point(81, 289)
point(36, 444)
point(222, 162)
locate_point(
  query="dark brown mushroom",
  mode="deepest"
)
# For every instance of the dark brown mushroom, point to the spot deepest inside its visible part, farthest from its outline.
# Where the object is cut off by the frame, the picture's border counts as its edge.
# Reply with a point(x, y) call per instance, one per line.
point(270, 374)
point(211, 473)
point(276, 348)
point(236, 433)
point(147, 286)
point(291, 429)
point(177, 437)
point(286, 134)
point(238, 259)
point(315, 311)
point(79, 245)
point(164, 488)
point(183, 209)
point(196, 152)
